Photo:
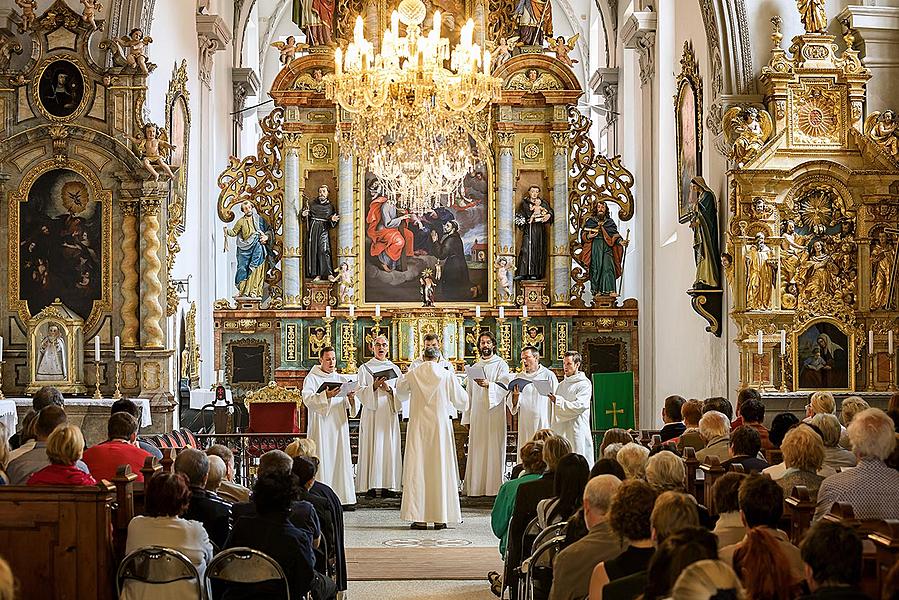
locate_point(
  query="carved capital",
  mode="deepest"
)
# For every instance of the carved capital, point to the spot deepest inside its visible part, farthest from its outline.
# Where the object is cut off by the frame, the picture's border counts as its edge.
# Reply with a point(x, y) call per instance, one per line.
point(129, 207)
point(292, 143)
point(150, 206)
point(245, 82)
point(639, 33)
point(505, 140)
point(560, 142)
point(212, 36)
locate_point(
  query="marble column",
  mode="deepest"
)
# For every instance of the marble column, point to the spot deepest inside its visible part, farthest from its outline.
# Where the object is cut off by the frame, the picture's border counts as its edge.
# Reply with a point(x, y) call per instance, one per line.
point(151, 290)
point(505, 217)
point(560, 253)
point(346, 234)
point(130, 269)
point(292, 261)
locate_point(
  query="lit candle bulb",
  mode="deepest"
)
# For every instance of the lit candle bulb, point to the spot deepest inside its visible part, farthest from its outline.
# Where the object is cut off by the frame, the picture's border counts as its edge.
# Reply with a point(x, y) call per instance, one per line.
point(870, 341)
point(760, 343)
point(357, 30)
point(338, 61)
point(352, 310)
point(118, 349)
point(890, 342)
point(395, 24)
point(502, 312)
point(437, 23)
point(97, 348)
point(783, 342)
point(327, 312)
point(524, 312)
point(486, 62)
point(477, 314)
point(1, 349)
point(378, 310)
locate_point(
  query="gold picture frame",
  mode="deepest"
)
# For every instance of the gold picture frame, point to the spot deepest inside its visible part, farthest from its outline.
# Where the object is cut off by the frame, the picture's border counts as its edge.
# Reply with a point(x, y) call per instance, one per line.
point(56, 350)
point(688, 128)
point(838, 350)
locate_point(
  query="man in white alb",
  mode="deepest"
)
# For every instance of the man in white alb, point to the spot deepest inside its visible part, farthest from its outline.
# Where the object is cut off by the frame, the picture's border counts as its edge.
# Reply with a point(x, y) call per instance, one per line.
point(328, 424)
point(380, 464)
point(571, 407)
point(486, 418)
point(431, 474)
point(534, 409)
point(431, 340)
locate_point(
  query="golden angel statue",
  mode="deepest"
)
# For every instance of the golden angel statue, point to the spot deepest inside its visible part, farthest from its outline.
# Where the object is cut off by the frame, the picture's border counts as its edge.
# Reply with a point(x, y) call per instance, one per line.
point(136, 45)
point(89, 13)
point(814, 19)
point(562, 47)
point(501, 50)
point(746, 129)
point(152, 147)
point(883, 128)
point(29, 8)
point(288, 49)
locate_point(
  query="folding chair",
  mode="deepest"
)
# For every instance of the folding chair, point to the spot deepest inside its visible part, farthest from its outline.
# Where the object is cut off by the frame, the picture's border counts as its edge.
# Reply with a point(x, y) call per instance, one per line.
point(155, 565)
point(244, 565)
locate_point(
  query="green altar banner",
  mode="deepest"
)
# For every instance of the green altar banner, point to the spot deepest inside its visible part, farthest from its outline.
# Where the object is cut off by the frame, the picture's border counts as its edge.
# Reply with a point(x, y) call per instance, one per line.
point(613, 400)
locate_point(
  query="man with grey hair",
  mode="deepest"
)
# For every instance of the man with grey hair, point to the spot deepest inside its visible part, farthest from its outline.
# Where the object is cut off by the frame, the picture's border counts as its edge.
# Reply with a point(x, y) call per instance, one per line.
point(571, 407)
point(380, 463)
point(229, 491)
point(430, 474)
point(534, 409)
point(871, 487)
point(205, 506)
point(574, 565)
point(714, 427)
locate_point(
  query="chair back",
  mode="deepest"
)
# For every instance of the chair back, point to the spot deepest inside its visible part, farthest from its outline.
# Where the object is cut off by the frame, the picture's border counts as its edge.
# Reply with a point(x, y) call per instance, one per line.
point(156, 565)
point(244, 565)
point(550, 532)
point(274, 409)
point(536, 570)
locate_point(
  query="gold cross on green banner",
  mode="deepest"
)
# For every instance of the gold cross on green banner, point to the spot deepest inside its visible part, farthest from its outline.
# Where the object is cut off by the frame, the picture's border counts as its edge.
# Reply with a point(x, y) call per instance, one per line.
point(615, 411)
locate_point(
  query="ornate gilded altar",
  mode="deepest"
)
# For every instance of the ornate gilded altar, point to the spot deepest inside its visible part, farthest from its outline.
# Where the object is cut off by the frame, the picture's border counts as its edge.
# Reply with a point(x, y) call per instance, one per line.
point(86, 220)
point(534, 136)
point(811, 244)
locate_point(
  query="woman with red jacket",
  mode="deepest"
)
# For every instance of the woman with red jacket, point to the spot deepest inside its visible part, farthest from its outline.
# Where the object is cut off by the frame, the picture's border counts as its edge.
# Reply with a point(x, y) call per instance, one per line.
point(64, 448)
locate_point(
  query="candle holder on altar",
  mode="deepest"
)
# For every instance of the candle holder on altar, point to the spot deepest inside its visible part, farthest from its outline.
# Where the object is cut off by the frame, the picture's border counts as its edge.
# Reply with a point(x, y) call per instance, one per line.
point(328, 338)
point(2, 362)
point(869, 387)
point(783, 373)
point(118, 380)
point(97, 394)
point(376, 328)
point(892, 386)
point(500, 339)
point(524, 327)
point(348, 345)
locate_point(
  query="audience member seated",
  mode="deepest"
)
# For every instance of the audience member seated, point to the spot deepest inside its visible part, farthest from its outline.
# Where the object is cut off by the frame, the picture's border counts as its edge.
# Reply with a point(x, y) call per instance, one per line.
point(205, 506)
point(872, 488)
point(571, 477)
point(780, 425)
point(763, 567)
point(4, 454)
point(574, 565)
point(216, 473)
point(835, 456)
point(166, 498)
point(607, 466)
point(665, 472)
point(729, 527)
point(23, 440)
point(744, 396)
point(851, 406)
point(633, 457)
point(531, 456)
point(22, 467)
point(744, 447)
point(612, 450)
point(708, 580)
point(228, 490)
point(671, 417)
point(761, 507)
point(7, 582)
point(305, 468)
point(672, 512)
point(271, 532)
point(753, 415)
point(42, 398)
point(64, 449)
point(830, 574)
point(615, 435)
point(720, 404)
point(629, 516)
point(691, 411)
point(822, 403)
point(679, 550)
point(541, 435)
point(127, 406)
point(120, 448)
point(577, 528)
point(715, 429)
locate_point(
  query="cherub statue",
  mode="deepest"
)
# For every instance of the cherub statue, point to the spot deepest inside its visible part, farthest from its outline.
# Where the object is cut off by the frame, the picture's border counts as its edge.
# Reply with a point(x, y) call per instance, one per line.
point(747, 129)
point(346, 287)
point(562, 48)
point(29, 14)
point(151, 147)
point(89, 13)
point(427, 287)
point(504, 273)
point(883, 128)
point(136, 44)
point(288, 49)
point(501, 50)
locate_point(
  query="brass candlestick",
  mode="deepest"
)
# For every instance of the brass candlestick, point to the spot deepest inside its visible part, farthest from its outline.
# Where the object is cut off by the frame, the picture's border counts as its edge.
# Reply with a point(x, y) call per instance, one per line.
point(118, 380)
point(349, 344)
point(376, 328)
point(892, 386)
point(328, 321)
point(783, 373)
point(870, 386)
point(2, 362)
point(97, 394)
point(524, 329)
point(503, 351)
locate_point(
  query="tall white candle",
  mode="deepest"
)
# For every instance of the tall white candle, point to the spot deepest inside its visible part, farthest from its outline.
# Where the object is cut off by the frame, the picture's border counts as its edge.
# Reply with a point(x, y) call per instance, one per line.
point(352, 310)
point(524, 312)
point(1, 349)
point(870, 341)
point(327, 312)
point(783, 342)
point(96, 348)
point(477, 312)
point(890, 342)
point(761, 346)
point(378, 310)
point(118, 349)
point(502, 312)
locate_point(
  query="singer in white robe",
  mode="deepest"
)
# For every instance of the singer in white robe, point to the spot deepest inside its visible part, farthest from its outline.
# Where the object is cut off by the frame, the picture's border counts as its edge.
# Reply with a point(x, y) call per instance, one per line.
point(533, 409)
point(571, 407)
point(329, 426)
point(432, 340)
point(431, 473)
point(486, 419)
point(380, 464)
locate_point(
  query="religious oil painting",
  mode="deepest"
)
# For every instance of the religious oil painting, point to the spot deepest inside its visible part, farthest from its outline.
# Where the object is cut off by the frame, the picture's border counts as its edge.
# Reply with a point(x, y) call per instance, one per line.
point(61, 88)
point(318, 339)
point(248, 362)
point(823, 357)
point(61, 243)
point(452, 241)
point(688, 128)
point(51, 353)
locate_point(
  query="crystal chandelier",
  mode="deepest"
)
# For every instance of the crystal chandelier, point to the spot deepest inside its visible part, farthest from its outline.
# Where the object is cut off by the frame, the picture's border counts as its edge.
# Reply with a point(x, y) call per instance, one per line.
point(411, 116)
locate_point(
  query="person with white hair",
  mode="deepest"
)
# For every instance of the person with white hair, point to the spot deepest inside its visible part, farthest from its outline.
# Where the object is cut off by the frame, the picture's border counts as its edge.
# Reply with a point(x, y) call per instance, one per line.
point(707, 579)
point(632, 458)
point(871, 487)
point(665, 472)
point(835, 456)
point(574, 565)
point(714, 427)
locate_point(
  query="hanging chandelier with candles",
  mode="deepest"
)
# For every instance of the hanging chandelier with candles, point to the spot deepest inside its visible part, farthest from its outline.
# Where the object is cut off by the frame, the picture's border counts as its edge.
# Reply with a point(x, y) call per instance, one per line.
point(411, 115)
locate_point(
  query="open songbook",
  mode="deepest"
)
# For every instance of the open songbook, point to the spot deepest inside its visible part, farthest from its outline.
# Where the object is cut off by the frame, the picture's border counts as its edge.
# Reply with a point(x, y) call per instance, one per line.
point(387, 374)
point(544, 387)
point(475, 372)
point(345, 388)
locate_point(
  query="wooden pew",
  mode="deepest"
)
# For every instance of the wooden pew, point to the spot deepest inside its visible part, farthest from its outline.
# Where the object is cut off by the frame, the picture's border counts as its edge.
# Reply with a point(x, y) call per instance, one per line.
point(886, 547)
point(799, 508)
point(691, 464)
point(712, 470)
point(58, 540)
point(168, 459)
point(844, 513)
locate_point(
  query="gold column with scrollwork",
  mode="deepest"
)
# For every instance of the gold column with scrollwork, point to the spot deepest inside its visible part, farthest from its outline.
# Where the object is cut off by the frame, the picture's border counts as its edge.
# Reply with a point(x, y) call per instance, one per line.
point(151, 289)
point(130, 285)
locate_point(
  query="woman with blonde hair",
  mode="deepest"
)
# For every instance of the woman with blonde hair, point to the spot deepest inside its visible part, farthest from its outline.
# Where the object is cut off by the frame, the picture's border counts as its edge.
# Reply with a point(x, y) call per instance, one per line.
point(615, 435)
point(301, 447)
point(7, 580)
point(803, 451)
point(632, 458)
point(708, 579)
point(64, 448)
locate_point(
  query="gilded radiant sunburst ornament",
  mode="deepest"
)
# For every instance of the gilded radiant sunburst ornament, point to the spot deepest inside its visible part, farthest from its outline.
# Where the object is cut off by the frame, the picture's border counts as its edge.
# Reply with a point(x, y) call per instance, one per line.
point(817, 116)
point(816, 208)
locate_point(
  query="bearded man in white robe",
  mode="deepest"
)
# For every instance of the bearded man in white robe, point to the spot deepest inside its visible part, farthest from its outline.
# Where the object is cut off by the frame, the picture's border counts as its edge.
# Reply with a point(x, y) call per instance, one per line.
point(380, 464)
point(571, 407)
point(431, 474)
point(486, 418)
point(329, 426)
point(534, 410)
point(432, 340)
